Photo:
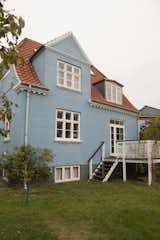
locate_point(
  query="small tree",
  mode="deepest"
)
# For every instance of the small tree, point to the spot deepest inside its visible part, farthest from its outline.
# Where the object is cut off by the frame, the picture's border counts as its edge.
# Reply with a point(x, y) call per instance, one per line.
point(27, 164)
point(151, 131)
point(10, 29)
point(5, 112)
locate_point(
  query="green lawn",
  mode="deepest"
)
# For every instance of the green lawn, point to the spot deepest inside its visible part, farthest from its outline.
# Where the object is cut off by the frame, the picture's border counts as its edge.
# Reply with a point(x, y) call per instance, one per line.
point(79, 211)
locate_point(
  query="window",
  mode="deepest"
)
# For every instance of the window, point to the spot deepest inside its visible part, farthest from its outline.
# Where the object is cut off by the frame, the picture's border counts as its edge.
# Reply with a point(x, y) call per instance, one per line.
point(117, 133)
point(113, 93)
point(7, 129)
point(67, 173)
point(67, 125)
point(69, 76)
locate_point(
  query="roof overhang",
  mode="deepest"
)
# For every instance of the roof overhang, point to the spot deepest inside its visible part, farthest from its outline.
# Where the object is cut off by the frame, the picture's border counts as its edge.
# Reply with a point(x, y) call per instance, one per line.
point(30, 88)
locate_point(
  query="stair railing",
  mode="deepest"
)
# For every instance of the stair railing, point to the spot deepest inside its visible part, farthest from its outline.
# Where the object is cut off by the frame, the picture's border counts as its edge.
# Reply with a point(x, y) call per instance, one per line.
point(90, 161)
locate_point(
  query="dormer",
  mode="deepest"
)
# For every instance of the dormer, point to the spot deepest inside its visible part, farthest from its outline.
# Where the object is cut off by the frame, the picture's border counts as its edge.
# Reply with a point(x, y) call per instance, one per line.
point(113, 91)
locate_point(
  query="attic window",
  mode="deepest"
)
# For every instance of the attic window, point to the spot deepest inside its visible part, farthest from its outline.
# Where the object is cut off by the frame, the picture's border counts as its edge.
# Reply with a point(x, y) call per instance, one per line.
point(113, 93)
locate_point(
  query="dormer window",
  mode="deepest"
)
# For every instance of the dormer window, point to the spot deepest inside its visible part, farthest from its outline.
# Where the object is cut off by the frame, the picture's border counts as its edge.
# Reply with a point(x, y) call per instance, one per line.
point(113, 92)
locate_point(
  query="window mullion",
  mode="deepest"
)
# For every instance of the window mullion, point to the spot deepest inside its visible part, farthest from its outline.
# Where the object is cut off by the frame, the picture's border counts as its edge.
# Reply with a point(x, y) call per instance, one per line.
point(64, 124)
point(72, 126)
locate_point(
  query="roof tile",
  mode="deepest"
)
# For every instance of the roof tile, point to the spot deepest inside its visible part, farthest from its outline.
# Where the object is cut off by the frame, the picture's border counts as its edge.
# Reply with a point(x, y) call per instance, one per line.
point(27, 49)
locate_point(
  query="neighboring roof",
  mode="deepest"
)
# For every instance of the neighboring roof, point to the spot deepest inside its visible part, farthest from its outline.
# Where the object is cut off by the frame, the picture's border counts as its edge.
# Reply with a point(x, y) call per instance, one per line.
point(148, 111)
point(96, 96)
point(25, 71)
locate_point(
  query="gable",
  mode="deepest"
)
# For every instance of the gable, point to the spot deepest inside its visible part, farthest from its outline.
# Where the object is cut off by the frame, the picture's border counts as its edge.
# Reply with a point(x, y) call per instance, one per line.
point(68, 44)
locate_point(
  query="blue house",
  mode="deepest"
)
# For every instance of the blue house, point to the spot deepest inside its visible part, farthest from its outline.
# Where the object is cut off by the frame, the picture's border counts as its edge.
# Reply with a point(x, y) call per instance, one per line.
point(67, 105)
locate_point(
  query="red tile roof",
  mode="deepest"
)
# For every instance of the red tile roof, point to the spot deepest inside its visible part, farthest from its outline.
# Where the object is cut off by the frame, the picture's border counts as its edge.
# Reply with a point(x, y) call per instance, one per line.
point(96, 96)
point(27, 49)
point(98, 76)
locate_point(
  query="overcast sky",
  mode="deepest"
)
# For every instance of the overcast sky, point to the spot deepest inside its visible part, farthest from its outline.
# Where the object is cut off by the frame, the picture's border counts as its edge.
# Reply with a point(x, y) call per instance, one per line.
point(121, 37)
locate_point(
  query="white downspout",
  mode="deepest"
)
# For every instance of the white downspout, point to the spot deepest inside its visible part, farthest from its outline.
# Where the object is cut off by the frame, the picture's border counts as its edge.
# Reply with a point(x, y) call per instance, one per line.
point(27, 118)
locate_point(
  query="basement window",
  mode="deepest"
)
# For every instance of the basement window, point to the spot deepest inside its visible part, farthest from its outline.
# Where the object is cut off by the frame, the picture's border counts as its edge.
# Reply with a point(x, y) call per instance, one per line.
point(67, 173)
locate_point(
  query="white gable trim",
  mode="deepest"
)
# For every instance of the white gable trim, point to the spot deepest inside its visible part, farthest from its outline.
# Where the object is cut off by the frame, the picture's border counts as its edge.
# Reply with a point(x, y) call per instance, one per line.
point(53, 42)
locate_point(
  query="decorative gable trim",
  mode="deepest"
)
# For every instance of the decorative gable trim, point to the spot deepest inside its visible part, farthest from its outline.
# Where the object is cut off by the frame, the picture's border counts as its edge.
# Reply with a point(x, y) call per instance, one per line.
point(111, 108)
point(59, 39)
point(30, 88)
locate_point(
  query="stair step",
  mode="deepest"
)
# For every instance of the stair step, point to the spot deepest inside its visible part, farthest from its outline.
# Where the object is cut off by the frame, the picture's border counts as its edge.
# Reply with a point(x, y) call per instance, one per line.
point(100, 178)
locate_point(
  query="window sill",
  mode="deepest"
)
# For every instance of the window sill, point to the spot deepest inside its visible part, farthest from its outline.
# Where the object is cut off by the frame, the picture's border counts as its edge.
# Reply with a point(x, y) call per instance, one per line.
point(67, 141)
point(67, 180)
point(70, 89)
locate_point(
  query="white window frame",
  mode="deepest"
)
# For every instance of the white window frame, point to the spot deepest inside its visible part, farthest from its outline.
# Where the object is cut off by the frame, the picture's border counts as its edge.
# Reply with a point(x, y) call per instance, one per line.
point(118, 90)
point(64, 121)
point(73, 75)
point(7, 127)
point(63, 174)
point(115, 126)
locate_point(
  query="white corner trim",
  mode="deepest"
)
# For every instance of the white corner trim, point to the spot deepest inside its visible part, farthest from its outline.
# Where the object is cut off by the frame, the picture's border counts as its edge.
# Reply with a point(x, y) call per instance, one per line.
point(5, 75)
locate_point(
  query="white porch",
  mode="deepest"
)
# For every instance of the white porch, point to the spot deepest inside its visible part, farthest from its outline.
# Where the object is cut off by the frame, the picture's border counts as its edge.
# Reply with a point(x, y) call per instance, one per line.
point(146, 152)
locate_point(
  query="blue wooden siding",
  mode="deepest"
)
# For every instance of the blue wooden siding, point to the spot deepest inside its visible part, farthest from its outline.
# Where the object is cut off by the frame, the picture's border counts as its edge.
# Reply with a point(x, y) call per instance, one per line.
point(18, 121)
point(94, 122)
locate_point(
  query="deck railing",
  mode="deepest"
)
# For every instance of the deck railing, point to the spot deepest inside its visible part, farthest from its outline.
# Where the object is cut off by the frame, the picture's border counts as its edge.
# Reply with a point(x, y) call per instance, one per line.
point(138, 149)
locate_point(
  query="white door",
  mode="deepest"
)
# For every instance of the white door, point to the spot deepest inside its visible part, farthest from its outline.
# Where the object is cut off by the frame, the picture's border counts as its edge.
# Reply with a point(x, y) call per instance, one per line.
point(116, 134)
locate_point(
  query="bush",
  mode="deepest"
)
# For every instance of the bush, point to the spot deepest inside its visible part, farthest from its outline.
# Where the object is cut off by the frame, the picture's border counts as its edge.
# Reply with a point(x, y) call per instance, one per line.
point(27, 164)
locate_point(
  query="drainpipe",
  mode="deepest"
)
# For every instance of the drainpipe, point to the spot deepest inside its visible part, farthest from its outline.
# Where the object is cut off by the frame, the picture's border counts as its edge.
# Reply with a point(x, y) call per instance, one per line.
point(27, 117)
point(26, 184)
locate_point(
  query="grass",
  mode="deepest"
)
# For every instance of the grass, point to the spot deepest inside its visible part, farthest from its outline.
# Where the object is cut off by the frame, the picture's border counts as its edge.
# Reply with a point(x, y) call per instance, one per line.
point(80, 211)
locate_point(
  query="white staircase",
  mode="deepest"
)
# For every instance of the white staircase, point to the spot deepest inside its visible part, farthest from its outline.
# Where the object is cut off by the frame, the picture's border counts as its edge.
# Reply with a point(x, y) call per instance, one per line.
point(111, 170)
